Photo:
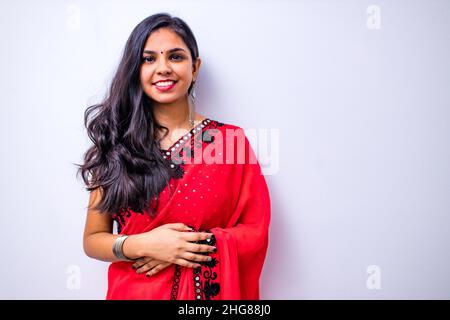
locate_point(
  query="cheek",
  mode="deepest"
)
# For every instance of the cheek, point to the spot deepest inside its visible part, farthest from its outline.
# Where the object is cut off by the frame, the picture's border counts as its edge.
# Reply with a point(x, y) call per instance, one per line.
point(145, 77)
point(183, 71)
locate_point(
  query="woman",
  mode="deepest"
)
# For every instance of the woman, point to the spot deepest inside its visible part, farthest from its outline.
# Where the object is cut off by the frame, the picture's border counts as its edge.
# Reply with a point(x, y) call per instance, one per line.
point(191, 204)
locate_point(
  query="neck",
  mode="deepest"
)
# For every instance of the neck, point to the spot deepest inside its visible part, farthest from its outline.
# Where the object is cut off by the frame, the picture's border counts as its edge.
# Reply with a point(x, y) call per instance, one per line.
point(174, 115)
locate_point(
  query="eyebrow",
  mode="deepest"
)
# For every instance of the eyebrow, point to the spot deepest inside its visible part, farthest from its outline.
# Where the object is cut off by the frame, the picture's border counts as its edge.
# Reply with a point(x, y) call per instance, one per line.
point(169, 51)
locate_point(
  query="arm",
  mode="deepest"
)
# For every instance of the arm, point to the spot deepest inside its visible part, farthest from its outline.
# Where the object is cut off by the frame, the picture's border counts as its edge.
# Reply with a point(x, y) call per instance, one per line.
point(98, 238)
point(167, 243)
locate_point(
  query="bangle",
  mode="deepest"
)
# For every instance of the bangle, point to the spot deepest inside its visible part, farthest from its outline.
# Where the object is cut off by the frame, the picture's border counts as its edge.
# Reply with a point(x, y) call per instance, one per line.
point(118, 248)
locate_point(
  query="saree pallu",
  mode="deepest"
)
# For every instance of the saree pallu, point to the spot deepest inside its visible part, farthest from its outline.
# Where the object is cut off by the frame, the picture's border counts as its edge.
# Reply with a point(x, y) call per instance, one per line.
point(217, 186)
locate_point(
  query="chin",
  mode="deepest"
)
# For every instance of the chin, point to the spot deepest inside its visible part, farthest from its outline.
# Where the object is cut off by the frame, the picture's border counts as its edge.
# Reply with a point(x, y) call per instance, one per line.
point(167, 99)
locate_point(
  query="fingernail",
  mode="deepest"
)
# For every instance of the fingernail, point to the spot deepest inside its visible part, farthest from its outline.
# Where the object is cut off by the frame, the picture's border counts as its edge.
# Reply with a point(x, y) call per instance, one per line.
point(214, 250)
point(147, 275)
point(208, 258)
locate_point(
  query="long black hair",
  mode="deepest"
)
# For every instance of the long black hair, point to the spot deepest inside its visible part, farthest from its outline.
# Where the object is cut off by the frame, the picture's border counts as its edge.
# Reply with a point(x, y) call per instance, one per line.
point(125, 160)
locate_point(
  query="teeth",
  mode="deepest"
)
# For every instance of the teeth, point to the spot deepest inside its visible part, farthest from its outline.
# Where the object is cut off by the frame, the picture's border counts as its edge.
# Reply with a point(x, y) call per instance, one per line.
point(165, 83)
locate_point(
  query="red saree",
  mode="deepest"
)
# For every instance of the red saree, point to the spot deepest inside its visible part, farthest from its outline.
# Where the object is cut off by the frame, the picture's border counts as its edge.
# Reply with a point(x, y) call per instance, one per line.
point(225, 193)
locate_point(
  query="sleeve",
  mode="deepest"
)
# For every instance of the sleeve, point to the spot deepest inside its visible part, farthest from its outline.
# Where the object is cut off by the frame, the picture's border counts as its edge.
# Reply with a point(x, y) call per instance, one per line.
point(242, 247)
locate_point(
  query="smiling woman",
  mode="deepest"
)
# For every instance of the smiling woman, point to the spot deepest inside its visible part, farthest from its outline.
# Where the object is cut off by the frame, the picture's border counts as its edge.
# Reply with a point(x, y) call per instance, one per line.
point(187, 229)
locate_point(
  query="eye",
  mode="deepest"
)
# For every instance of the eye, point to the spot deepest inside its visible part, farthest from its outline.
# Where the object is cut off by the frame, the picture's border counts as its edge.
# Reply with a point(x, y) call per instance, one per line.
point(147, 59)
point(175, 57)
point(179, 57)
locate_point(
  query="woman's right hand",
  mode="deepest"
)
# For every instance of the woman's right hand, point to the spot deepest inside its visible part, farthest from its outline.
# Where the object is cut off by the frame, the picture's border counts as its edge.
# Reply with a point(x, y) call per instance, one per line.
point(173, 243)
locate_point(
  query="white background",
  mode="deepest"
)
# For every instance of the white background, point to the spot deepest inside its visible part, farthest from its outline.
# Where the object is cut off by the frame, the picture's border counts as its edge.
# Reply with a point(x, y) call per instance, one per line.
point(363, 120)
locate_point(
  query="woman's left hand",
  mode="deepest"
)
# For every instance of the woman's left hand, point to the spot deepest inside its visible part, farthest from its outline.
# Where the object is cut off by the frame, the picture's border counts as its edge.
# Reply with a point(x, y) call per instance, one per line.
point(149, 265)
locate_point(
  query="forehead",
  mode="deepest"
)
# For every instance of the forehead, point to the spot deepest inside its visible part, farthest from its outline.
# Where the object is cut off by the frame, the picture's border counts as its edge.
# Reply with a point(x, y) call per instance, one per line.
point(164, 39)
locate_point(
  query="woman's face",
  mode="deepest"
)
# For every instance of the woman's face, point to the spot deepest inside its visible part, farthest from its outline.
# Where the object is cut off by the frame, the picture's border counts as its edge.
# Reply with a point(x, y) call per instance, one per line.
point(166, 57)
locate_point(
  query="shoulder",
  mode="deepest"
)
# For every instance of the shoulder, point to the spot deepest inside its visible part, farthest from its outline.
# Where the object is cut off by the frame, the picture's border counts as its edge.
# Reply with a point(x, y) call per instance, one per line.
point(228, 131)
point(223, 126)
point(235, 138)
point(231, 131)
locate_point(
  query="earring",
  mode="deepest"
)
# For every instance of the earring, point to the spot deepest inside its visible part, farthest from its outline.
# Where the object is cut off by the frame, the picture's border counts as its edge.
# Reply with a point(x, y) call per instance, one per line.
point(191, 100)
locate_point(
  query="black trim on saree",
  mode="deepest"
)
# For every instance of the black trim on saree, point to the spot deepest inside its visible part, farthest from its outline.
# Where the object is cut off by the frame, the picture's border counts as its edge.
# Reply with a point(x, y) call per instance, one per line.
point(207, 128)
point(204, 277)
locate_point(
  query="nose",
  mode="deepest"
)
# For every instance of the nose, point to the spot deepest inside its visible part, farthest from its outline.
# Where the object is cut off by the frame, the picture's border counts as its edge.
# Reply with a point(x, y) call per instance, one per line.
point(163, 67)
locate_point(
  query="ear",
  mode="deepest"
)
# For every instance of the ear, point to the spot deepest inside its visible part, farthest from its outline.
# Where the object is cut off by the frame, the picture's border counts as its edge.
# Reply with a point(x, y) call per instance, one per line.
point(196, 68)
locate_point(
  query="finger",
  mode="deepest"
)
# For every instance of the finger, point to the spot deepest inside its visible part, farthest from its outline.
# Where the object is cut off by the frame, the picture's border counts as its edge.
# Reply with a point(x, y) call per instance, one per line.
point(186, 263)
point(197, 236)
point(148, 266)
point(141, 261)
point(194, 247)
point(177, 226)
point(157, 269)
point(195, 257)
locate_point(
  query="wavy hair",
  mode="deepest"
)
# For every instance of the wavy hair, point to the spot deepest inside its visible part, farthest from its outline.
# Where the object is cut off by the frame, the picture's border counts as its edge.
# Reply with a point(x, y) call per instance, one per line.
point(125, 161)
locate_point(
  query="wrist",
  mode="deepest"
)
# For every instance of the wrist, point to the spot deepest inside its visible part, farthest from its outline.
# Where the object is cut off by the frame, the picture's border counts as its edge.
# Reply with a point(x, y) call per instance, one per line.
point(131, 247)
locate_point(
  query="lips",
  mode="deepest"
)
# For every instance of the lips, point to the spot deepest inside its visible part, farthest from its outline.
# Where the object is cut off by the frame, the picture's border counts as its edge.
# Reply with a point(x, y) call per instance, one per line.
point(164, 85)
